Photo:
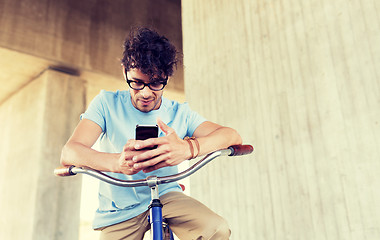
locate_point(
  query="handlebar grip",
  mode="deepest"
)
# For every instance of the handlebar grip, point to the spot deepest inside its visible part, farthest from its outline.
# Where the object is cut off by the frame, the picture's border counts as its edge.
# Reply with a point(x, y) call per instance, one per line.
point(238, 150)
point(64, 171)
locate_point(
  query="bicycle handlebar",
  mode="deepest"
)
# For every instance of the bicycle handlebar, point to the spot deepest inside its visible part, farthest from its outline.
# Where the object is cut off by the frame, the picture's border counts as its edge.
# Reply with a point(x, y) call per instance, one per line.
point(63, 171)
point(235, 150)
point(238, 150)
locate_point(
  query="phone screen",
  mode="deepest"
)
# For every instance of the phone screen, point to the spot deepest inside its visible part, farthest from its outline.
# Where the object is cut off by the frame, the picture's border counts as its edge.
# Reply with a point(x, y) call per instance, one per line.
point(144, 132)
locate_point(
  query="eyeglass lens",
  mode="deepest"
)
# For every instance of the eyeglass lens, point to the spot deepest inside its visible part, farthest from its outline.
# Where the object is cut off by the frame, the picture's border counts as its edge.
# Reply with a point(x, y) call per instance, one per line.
point(157, 85)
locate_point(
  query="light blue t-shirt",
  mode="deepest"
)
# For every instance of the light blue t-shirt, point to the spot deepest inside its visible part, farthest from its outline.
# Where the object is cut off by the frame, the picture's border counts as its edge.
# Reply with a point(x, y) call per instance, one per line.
point(115, 114)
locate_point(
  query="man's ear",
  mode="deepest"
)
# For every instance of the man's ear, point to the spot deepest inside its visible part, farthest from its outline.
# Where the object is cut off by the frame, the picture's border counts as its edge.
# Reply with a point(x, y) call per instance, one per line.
point(123, 70)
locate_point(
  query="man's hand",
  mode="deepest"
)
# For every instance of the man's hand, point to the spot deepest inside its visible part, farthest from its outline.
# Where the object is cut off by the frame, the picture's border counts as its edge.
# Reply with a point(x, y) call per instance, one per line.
point(125, 164)
point(171, 150)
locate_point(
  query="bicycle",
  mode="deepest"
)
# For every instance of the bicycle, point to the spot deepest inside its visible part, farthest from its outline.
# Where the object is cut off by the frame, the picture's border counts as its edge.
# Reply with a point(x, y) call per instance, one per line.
point(159, 228)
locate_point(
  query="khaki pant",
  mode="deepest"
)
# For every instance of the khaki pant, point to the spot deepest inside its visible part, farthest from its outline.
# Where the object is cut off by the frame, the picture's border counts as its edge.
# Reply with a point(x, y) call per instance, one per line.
point(187, 217)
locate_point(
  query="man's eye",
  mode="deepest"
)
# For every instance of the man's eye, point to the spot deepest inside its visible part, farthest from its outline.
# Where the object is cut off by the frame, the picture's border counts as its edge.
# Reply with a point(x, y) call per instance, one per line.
point(156, 84)
point(138, 83)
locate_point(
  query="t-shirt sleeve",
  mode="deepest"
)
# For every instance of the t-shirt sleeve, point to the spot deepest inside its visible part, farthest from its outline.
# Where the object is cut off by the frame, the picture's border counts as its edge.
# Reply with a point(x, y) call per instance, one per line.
point(194, 119)
point(96, 111)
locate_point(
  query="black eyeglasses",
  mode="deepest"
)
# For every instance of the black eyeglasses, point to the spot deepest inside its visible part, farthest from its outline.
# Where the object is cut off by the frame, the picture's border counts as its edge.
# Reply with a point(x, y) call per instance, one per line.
point(155, 85)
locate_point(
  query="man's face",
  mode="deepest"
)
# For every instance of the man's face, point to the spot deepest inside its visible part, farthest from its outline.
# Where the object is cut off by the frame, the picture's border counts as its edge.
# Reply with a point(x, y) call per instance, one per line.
point(146, 99)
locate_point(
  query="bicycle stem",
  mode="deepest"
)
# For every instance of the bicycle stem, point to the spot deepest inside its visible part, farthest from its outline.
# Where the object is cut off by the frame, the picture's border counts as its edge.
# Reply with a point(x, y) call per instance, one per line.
point(153, 184)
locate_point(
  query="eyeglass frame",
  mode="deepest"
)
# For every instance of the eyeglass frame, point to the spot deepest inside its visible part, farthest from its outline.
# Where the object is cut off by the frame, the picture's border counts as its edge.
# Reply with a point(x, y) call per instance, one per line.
point(163, 81)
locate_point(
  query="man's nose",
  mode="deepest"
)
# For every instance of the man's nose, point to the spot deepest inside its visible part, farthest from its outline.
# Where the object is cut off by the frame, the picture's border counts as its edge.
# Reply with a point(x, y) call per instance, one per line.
point(146, 92)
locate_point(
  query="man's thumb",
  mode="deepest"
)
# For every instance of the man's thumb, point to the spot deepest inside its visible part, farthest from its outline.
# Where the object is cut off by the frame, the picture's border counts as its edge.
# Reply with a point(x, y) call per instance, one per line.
point(165, 128)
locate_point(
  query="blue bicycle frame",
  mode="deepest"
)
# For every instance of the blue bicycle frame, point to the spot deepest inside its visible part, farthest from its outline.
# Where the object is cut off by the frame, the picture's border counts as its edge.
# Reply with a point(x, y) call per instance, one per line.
point(155, 206)
point(155, 209)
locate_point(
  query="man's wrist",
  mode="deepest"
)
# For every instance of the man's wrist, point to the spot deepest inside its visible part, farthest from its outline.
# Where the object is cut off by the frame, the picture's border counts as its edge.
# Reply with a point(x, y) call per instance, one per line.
point(115, 163)
point(193, 146)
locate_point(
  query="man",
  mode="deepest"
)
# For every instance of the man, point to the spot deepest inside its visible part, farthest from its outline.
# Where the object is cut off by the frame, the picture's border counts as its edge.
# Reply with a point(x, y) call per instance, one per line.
point(148, 62)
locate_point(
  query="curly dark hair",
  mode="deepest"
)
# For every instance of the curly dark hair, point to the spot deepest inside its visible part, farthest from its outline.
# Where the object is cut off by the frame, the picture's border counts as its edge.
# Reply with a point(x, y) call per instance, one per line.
point(149, 52)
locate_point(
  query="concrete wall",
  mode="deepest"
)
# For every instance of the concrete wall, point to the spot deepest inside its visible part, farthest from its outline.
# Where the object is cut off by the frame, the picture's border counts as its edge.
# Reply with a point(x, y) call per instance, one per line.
point(86, 38)
point(35, 123)
point(85, 35)
point(300, 81)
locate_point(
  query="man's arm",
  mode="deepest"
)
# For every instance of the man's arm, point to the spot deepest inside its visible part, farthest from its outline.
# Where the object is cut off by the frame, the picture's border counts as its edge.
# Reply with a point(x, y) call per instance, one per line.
point(212, 137)
point(172, 150)
point(77, 151)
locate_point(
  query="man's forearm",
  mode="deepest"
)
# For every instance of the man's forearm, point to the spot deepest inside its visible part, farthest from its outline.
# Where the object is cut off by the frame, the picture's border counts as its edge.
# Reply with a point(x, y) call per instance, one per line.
point(222, 137)
point(77, 154)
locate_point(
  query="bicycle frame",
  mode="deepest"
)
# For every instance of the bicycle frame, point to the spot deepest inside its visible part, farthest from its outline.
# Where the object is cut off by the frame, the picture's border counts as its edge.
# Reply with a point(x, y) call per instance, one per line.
point(152, 182)
point(155, 209)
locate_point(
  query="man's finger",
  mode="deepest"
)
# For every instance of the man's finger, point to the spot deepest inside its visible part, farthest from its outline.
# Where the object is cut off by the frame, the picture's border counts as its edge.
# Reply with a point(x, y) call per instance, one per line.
point(155, 167)
point(150, 162)
point(147, 155)
point(129, 163)
point(130, 145)
point(151, 142)
point(165, 128)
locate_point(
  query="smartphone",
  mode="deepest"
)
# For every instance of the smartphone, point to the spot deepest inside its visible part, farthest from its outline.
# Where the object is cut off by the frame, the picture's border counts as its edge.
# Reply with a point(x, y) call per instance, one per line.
point(144, 132)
